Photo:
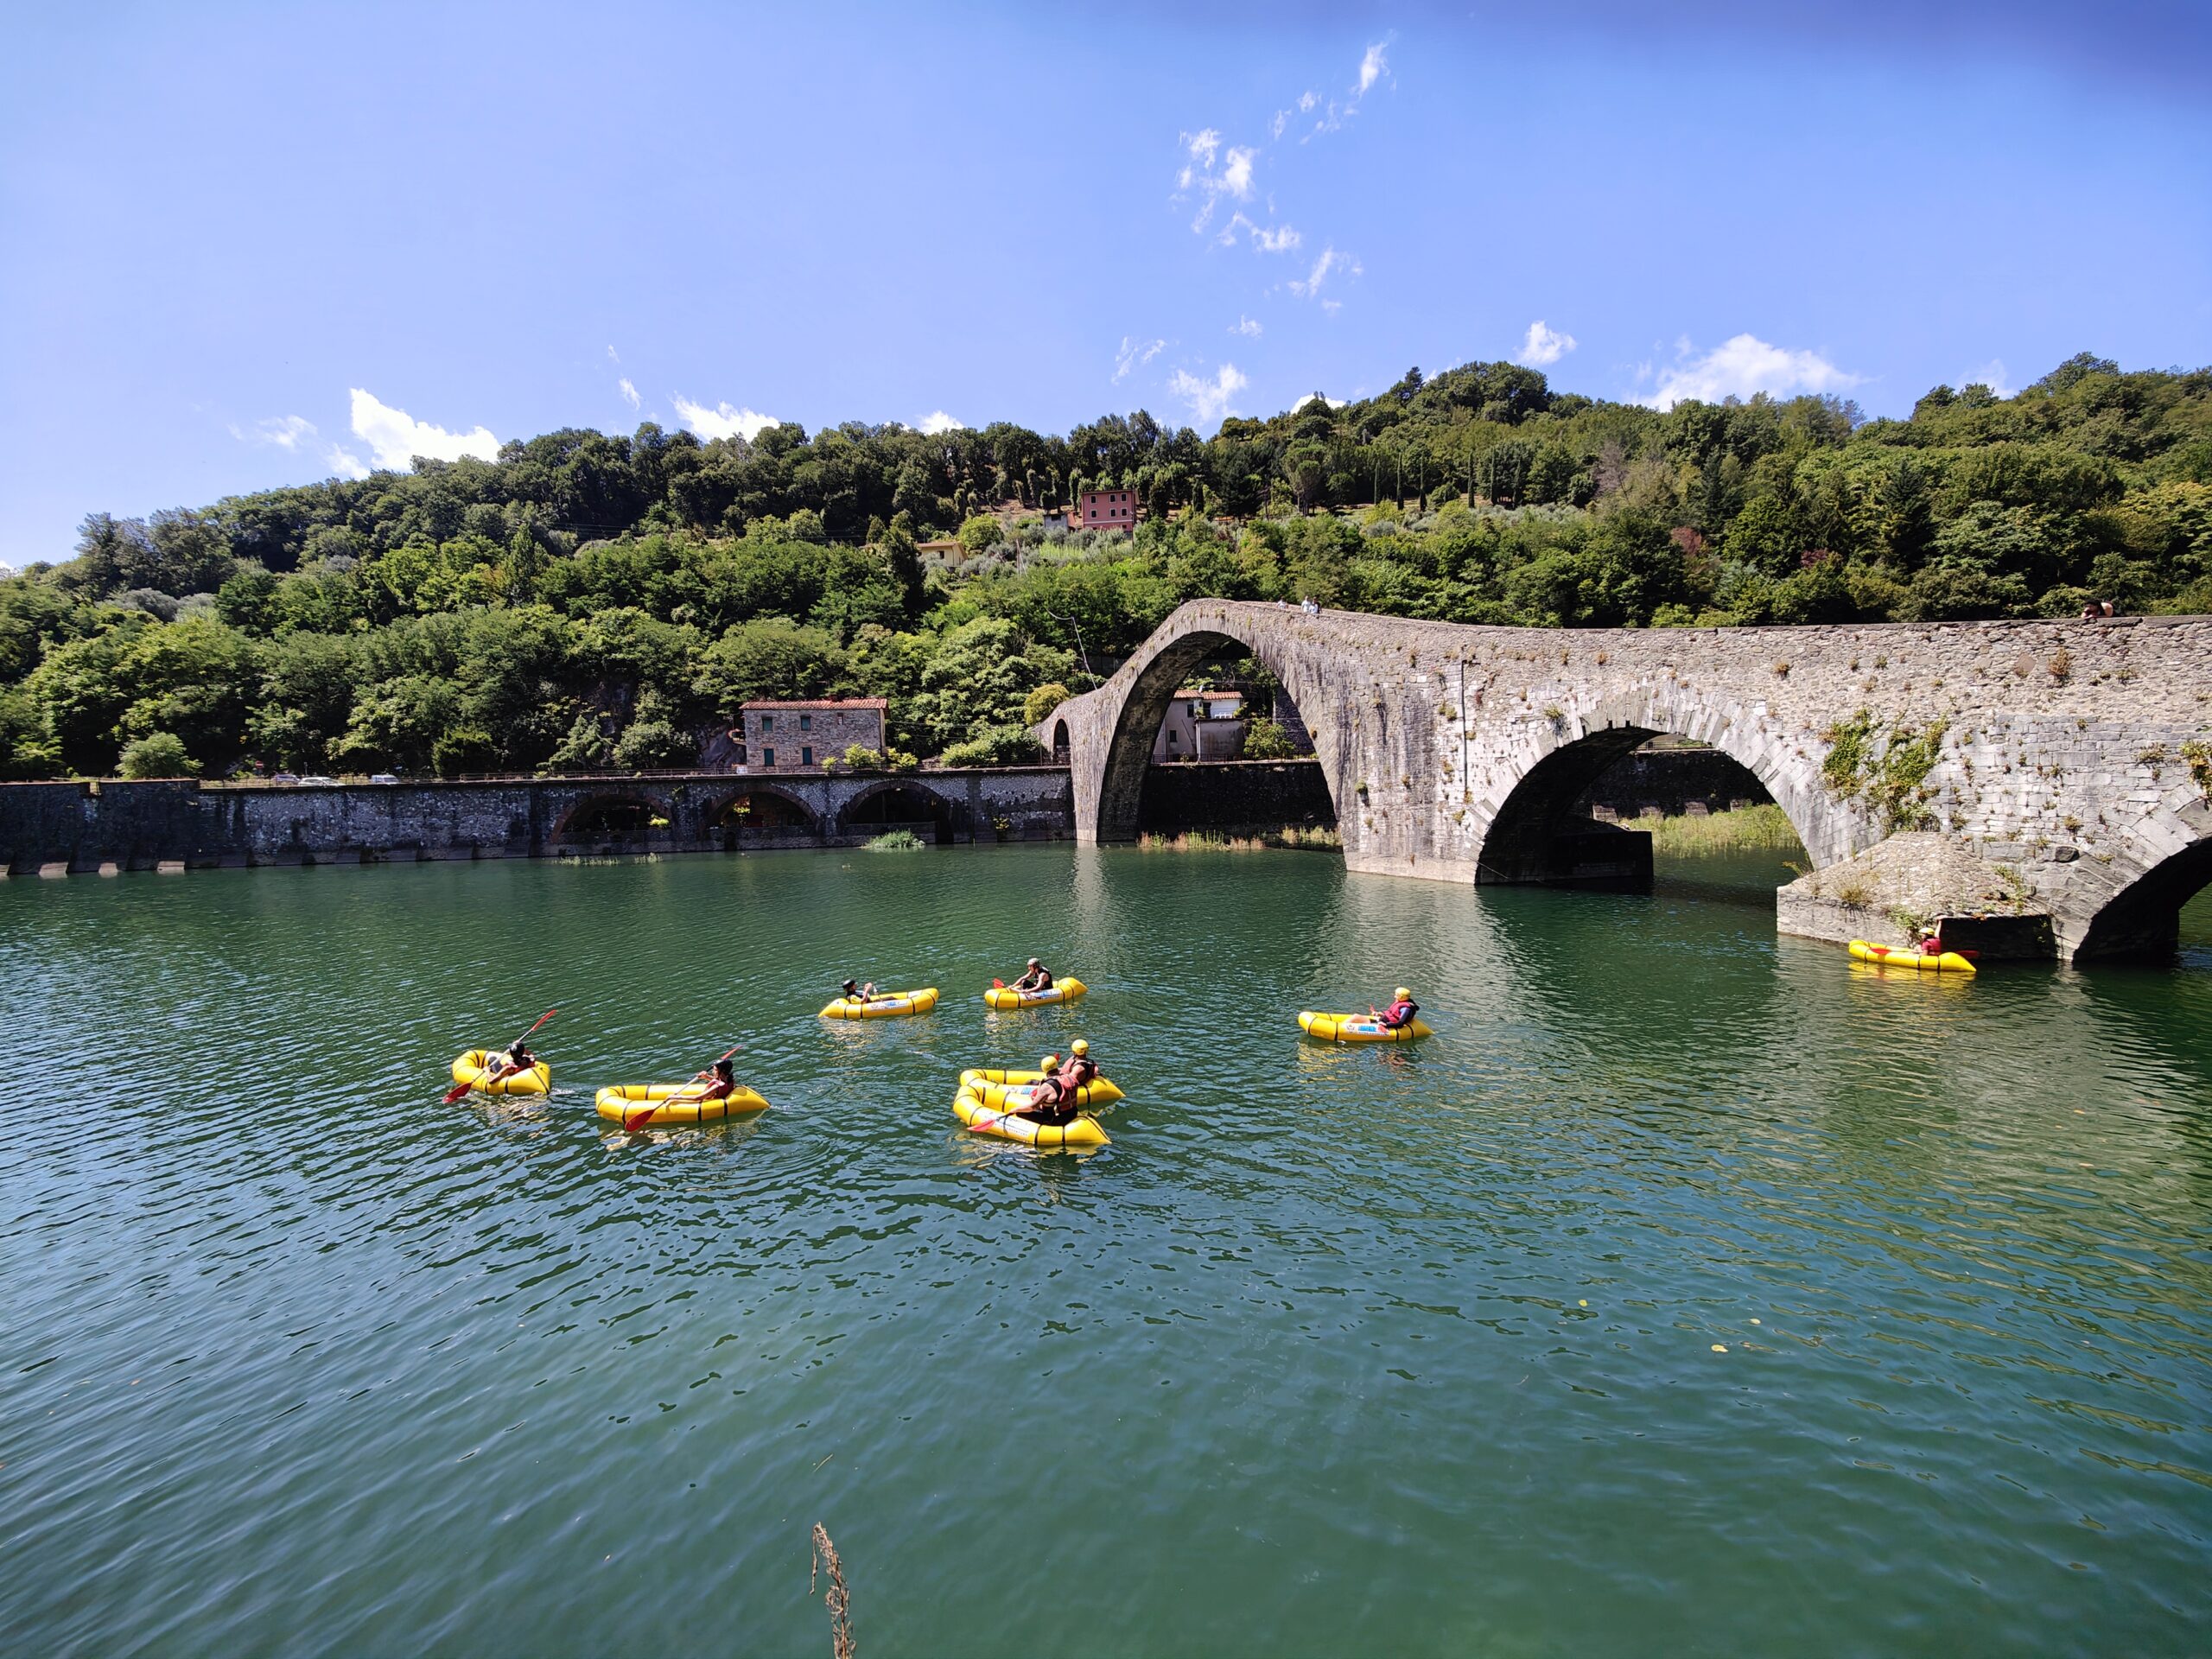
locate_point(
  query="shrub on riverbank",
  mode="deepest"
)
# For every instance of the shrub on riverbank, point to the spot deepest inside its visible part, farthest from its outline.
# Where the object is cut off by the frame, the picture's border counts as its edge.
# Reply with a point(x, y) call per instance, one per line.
point(897, 841)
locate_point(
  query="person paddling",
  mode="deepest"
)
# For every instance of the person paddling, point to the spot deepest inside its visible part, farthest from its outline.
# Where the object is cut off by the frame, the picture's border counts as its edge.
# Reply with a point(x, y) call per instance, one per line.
point(721, 1081)
point(515, 1057)
point(1400, 1013)
point(855, 992)
point(1035, 978)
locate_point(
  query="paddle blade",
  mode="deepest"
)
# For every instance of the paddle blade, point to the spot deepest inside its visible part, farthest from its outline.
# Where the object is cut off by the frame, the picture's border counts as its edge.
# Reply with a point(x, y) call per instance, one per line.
point(455, 1092)
point(998, 984)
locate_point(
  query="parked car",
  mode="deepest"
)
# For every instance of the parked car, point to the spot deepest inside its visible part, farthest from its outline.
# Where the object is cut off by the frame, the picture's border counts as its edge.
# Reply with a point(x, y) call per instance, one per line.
point(315, 777)
point(383, 777)
point(283, 777)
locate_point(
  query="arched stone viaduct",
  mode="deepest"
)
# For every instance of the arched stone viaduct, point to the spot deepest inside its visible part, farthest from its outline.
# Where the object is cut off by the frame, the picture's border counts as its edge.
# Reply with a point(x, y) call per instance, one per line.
point(2069, 796)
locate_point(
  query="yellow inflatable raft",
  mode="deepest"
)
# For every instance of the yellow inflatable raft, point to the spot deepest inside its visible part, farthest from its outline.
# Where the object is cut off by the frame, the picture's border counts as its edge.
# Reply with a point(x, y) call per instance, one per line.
point(1886, 955)
point(1062, 990)
point(469, 1069)
point(1046, 1137)
point(673, 1102)
point(1009, 1090)
point(883, 1007)
point(1359, 1028)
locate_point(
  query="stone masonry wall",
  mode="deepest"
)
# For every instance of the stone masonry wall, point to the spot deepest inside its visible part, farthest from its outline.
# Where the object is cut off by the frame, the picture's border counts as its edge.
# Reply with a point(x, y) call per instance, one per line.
point(83, 826)
point(2058, 745)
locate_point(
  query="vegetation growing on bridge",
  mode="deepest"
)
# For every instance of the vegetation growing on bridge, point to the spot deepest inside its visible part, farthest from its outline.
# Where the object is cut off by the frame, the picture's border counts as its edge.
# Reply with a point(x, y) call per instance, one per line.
point(588, 600)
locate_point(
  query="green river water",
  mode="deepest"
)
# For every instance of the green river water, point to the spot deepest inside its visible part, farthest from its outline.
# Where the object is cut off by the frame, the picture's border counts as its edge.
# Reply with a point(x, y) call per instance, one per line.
point(1331, 1351)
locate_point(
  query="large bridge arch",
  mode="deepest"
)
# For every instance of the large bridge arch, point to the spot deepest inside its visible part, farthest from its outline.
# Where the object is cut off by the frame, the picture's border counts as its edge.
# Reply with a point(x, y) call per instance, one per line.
point(1109, 751)
point(1527, 803)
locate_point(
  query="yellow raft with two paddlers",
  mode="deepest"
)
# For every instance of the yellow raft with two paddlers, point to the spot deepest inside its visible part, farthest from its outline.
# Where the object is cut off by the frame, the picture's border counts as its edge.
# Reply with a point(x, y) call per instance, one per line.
point(1359, 1028)
point(1887, 956)
point(640, 1103)
point(470, 1069)
point(1060, 990)
point(989, 1102)
point(883, 1007)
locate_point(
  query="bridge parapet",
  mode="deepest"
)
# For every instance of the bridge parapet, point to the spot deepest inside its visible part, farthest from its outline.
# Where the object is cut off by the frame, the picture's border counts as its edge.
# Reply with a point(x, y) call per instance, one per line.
point(2057, 751)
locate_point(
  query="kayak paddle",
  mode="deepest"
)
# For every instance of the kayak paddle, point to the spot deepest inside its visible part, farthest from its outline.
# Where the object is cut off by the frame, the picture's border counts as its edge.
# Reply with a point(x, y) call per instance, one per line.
point(631, 1126)
point(460, 1089)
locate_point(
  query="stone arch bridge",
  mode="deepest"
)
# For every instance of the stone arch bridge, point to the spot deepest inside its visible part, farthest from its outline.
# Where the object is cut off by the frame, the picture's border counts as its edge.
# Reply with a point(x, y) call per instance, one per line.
point(2046, 787)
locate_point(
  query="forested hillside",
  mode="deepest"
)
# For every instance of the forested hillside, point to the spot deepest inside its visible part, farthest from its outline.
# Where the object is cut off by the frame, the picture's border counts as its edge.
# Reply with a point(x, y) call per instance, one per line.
point(588, 600)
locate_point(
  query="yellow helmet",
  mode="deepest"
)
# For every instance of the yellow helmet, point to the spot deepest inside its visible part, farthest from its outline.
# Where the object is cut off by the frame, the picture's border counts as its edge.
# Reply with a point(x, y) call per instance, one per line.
point(1404, 996)
point(1048, 1062)
point(1080, 1046)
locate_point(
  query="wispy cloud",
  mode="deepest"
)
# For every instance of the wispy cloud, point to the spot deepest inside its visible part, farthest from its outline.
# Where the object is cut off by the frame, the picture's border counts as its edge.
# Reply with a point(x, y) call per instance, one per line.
point(1990, 374)
point(1743, 366)
point(395, 437)
point(629, 392)
point(1544, 346)
point(1212, 171)
point(1134, 355)
point(1248, 327)
point(938, 420)
point(284, 431)
point(344, 463)
point(1330, 263)
point(1267, 238)
point(1373, 66)
point(721, 420)
point(1209, 399)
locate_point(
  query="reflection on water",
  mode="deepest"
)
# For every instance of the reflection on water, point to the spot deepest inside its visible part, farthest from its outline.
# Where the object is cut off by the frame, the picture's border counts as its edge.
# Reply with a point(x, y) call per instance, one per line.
point(1692, 1289)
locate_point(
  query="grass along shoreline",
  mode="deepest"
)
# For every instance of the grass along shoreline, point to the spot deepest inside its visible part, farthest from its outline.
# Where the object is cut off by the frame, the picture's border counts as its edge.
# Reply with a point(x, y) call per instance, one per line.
point(1764, 828)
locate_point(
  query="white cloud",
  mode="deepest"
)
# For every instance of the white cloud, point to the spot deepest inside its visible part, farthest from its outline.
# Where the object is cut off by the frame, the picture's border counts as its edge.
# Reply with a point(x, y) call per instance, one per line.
point(1248, 327)
point(1328, 264)
point(285, 431)
point(344, 463)
point(1231, 178)
point(395, 437)
point(1993, 375)
point(1209, 399)
point(1316, 398)
point(938, 420)
point(1134, 354)
point(613, 356)
point(1373, 66)
point(721, 420)
point(1544, 346)
point(1744, 365)
point(629, 391)
point(1277, 238)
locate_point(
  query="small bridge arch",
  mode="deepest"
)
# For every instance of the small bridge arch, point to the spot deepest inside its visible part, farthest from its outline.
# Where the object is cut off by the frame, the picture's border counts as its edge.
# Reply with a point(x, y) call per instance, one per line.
point(763, 806)
point(901, 803)
point(612, 815)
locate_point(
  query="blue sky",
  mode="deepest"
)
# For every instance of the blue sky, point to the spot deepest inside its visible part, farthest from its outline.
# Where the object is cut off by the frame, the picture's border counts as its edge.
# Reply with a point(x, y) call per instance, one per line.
point(250, 246)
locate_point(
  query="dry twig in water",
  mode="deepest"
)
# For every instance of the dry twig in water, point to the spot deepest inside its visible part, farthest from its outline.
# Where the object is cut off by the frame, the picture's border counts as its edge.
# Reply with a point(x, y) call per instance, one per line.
point(825, 1560)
